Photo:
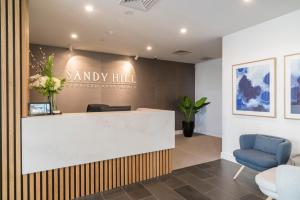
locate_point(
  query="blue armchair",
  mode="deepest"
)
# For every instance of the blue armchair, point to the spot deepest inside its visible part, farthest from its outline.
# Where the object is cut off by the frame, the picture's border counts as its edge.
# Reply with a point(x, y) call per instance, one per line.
point(262, 152)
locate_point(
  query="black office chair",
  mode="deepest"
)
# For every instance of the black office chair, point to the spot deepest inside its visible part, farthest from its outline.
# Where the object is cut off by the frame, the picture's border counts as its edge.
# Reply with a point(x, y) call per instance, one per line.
point(106, 108)
point(96, 107)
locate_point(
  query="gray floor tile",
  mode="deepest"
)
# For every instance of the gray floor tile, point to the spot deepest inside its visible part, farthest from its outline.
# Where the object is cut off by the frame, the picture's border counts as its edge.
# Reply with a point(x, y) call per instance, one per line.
point(172, 181)
point(212, 181)
point(250, 197)
point(199, 172)
point(97, 196)
point(113, 194)
point(195, 182)
point(137, 191)
point(163, 192)
point(149, 198)
point(190, 193)
point(217, 194)
point(231, 186)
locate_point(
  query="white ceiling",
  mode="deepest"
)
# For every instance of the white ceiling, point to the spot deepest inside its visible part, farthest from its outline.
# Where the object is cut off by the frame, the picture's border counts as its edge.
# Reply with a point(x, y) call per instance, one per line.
point(109, 29)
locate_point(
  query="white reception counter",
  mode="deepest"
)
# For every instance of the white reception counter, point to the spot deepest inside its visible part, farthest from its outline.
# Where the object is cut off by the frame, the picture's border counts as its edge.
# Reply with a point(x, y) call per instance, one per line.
point(51, 142)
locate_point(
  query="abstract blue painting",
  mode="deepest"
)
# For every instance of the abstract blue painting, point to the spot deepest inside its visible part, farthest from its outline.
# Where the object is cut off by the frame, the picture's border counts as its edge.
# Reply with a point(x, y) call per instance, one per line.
point(292, 85)
point(253, 88)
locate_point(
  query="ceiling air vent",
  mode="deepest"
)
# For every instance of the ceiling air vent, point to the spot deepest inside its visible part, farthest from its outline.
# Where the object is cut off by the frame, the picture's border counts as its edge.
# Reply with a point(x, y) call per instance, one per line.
point(143, 5)
point(181, 52)
point(203, 59)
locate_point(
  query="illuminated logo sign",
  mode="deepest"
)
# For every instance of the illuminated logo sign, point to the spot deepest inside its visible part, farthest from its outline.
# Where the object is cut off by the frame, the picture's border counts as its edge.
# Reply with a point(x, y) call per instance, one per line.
point(100, 79)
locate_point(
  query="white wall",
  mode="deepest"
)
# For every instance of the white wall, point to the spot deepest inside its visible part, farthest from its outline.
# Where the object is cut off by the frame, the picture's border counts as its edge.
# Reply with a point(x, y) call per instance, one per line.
point(275, 38)
point(208, 83)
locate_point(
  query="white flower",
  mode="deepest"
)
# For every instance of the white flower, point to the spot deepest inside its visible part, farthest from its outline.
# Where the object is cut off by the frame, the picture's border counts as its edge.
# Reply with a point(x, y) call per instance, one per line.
point(35, 84)
point(43, 80)
point(57, 83)
point(34, 77)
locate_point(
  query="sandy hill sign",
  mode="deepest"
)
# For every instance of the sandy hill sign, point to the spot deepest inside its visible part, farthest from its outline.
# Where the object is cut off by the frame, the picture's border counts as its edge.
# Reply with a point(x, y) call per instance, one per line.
point(100, 79)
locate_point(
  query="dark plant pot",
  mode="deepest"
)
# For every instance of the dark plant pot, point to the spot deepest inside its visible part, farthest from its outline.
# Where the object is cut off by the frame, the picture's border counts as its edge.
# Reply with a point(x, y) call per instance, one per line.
point(188, 128)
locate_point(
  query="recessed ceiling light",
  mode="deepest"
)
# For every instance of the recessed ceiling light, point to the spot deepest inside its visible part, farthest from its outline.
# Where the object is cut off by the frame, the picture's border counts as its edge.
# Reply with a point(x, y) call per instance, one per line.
point(74, 36)
point(149, 48)
point(183, 30)
point(89, 8)
point(247, 1)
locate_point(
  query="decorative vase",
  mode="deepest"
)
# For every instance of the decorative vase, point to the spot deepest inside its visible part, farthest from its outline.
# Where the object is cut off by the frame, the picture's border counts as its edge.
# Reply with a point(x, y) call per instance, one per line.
point(188, 128)
point(51, 99)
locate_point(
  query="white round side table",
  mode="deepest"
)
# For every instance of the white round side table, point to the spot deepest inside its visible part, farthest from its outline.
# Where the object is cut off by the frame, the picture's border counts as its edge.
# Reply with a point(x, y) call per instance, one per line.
point(296, 160)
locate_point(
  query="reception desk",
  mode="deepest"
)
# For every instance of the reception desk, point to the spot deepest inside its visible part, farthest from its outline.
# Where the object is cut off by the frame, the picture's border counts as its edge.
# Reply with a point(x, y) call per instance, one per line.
point(60, 141)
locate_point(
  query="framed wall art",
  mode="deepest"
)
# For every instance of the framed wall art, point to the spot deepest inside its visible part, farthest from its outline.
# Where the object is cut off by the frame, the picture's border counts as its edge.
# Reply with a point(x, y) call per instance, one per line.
point(254, 88)
point(292, 86)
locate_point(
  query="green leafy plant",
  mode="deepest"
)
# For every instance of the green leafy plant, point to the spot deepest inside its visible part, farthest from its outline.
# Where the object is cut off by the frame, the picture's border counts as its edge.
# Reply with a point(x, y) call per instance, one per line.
point(189, 108)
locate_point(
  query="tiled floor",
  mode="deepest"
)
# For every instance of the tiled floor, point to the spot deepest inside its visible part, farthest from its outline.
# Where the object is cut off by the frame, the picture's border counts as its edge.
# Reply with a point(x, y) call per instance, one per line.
point(195, 150)
point(209, 181)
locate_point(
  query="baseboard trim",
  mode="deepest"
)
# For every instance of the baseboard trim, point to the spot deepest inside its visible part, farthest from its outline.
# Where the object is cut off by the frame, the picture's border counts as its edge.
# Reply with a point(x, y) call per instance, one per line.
point(209, 134)
point(178, 132)
point(228, 156)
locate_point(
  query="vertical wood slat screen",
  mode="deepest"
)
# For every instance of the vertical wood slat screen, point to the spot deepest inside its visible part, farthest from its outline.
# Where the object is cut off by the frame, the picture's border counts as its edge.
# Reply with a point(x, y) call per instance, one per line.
point(60, 184)
point(82, 180)
point(14, 59)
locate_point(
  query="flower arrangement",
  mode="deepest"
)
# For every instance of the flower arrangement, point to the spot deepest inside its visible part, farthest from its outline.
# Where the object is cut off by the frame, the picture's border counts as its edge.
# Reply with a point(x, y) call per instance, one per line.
point(45, 83)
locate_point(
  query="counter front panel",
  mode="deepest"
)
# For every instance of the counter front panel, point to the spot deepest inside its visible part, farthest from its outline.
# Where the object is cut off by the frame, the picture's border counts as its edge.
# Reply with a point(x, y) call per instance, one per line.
point(52, 142)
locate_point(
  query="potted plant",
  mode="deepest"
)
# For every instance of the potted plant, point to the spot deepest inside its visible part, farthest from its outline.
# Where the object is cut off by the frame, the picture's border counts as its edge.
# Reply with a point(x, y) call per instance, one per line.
point(189, 109)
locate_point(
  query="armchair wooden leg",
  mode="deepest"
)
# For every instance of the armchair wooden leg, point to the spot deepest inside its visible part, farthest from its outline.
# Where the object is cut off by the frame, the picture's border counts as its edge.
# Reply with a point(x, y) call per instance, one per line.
point(238, 173)
point(269, 198)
